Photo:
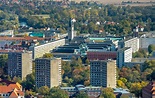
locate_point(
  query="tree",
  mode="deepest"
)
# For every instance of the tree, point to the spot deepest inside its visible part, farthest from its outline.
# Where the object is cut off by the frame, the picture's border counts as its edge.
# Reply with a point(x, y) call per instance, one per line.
point(44, 90)
point(47, 55)
point(3, 60)
point(87, 62)
point(56, 92)
point(120, 84)
point(29, 83)
point(107, 93)
point(81, 94)
point(136, 88)
point(151, 48)
point(17, 79)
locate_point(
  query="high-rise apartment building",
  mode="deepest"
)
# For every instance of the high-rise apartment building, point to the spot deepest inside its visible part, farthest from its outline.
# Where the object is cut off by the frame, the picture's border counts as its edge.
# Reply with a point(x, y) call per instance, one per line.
point(48, 72)
point(103, 73)
point(19, 63)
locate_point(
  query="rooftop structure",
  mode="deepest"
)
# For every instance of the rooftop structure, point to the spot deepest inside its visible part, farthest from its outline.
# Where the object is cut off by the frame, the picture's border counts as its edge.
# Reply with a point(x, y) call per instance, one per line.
point(37, 34)
point(104, 38)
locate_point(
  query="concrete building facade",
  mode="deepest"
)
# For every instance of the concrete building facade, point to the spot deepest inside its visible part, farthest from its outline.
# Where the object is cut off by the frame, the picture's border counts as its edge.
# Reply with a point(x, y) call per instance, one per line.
point(145, 42)
point(38, 51)
point(103, 73)
point(19, 63)
point(124, 55)
point(48, 72)
point(133, 43)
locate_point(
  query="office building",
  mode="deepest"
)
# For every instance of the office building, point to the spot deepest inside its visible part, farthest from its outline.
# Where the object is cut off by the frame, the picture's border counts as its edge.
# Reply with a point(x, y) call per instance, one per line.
point(124, 55)
point(19, 63)
point(133, 43)
point(103, 73)
point(48, 72)
point(40, 50)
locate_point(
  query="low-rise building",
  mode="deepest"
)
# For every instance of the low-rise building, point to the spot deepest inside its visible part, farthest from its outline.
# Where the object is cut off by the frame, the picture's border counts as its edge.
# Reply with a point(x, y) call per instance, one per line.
point(12, 90)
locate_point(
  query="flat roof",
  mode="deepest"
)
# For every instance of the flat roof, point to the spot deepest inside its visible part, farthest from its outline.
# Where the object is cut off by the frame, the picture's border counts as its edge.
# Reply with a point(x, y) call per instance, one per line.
point(105, 38)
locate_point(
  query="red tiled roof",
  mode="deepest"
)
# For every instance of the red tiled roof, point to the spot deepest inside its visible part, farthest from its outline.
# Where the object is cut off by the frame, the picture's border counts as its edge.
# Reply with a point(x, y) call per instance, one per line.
point(20, 93)
point(5, 89)
point(21, 38)
point(14, 89)
point(17, 86)
point(13, 95)
point(6, 51)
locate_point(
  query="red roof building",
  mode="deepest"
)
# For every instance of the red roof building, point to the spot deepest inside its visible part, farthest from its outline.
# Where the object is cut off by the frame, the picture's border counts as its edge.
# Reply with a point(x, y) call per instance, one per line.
point(12, 90)
point(101, 55)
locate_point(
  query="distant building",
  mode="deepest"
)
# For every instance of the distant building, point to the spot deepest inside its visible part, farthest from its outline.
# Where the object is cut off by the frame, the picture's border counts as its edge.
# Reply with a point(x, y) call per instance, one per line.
point(124, 55)
point(48, 72)
point(12, 90)
point(7, 33)
point(145, 42)
point(19, 63)
point(38, 51)
point(103, 73)
point(65, 56)
point(37, 34)
point(133, 43)
point(149, 90)
point(93, 92)
point(101, 55)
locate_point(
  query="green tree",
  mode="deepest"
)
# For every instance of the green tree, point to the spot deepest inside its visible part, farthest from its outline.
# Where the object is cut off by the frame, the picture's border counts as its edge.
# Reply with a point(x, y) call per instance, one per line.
point(136, 88)
point(81, 94)
point(120, 84)
point(151, 48)
point(3, 60)
point(17, 79)
point(107, 93)
point(56, 92)
point(44, 90)
point(29, 83)
point(47, 55)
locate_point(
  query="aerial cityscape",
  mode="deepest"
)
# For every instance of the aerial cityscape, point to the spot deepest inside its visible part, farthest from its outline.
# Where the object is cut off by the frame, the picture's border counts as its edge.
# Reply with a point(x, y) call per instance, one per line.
point(77, 49)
